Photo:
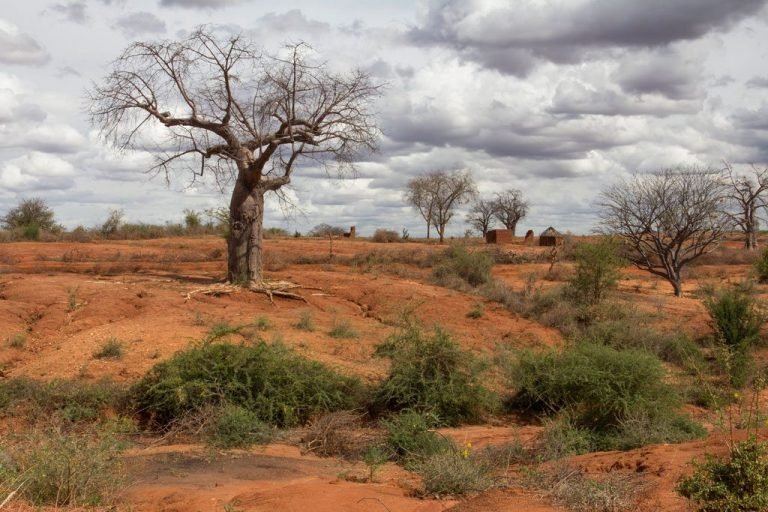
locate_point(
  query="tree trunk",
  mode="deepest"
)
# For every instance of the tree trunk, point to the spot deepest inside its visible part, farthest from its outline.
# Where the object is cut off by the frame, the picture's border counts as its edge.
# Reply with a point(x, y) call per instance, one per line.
point(246, 219)
point(751, 241)
point(427, 230)
point(513, 227)
point(677, 284)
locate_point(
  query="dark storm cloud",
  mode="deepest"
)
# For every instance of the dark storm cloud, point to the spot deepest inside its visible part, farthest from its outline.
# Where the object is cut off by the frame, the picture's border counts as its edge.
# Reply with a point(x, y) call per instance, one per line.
point(200, 4)
point(139, 23)
point(543, 137)
point(75, 12)
point(752, 119)
point(19, 48)
point(575, 99)
point(757, 82)
point(665, 72)
point(514, 35)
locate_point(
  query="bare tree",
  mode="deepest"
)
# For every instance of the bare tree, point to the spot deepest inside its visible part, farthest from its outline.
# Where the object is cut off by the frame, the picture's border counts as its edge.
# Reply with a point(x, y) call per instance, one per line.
point(437, 194)
point(510, 208)
point(228, 109)
point(666, 219)
point(418, 195)
point(745, 198)
point(481, 215)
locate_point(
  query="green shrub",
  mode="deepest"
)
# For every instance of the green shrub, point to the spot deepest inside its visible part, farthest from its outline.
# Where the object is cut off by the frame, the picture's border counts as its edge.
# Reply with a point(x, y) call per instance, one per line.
point(736, 321)
point(597, 270)
point(632, 332)
point(70, 400)
point(431, 373)
point(237, 427)
point(410, 436)
point(470, 267)
point(761, 266)
point(561, 437)
point(374, 455)
point(280, 387)
point(110, 349)
point(602, 390)
point(452, 473)
point(60, 469)
point(735, 316)
point(736, 484)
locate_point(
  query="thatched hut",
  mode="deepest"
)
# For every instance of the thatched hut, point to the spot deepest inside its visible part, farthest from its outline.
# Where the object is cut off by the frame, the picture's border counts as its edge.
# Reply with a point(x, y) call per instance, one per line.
point(550, 237)
point(498, 236)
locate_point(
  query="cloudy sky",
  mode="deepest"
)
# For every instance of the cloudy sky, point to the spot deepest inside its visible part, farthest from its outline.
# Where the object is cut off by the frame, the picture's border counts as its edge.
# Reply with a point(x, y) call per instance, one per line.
point(554, 97)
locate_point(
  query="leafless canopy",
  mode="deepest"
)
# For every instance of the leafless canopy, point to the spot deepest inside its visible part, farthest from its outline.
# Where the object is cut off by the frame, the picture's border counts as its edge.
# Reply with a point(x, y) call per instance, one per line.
point(481, 215)
point(227, 106)
point(745, 195)
point(215, 104)
point(510, 207)
point(437, 194)
point(667, 219)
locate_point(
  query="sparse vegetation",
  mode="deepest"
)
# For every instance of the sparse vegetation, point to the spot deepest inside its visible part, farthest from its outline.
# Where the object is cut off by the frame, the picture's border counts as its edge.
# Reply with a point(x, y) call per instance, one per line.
point(476, 311)
point(570, 488)
point(385, 236)
point(63, 468)
point(466, 267)
point(342, 329)
point(68, 400)
point(451, 473)
point(17, 340)
point(305, 322)
point(110, 349)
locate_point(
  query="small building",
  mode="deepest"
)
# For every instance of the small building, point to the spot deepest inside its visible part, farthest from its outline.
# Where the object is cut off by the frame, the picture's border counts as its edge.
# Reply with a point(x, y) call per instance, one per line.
point(499, 236)
point(550, 237)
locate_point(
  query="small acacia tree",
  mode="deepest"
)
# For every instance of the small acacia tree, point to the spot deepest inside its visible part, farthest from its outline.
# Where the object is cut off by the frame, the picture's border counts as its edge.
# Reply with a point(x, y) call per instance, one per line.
point(30, 215)
point(481, 215)
point(227, 108)
point(745, 195)
point(437, 194)
point(509, 207)
point(666, 219)
point(597, 269)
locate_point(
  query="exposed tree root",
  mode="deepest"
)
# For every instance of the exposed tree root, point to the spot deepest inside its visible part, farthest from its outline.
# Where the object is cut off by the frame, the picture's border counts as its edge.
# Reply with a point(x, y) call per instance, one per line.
point(271, 289)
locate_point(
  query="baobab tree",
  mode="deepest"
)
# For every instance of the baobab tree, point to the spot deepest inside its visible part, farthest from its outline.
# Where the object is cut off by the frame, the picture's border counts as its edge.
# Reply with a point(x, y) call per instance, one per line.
point(745, 195)
point(245, 117)
point(509, 208)
point(666, 219)
point(437, 194)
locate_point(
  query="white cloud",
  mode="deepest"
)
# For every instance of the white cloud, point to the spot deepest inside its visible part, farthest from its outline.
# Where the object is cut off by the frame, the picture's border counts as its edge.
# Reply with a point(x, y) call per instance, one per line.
point(37, 171)
point(19, 48)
